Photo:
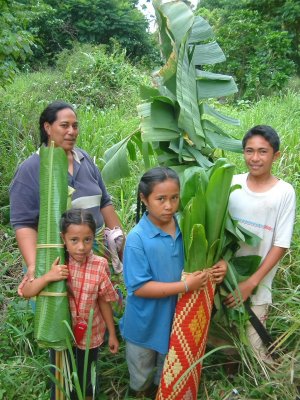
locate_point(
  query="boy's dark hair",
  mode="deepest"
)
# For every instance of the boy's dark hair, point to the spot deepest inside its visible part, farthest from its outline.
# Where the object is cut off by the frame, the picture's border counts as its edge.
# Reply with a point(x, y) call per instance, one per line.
point(148, 181)
point(77, 216)
point(50, 115)
point(267, 132)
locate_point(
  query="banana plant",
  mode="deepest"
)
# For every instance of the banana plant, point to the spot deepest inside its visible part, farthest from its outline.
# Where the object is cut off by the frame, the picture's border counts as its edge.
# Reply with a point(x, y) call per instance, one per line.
point(178, 124)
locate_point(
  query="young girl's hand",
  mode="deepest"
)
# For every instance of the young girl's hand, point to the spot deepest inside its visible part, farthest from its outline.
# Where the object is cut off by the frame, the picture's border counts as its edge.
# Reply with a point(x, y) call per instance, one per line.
point(197, 280)
point(218, 271)
point(113, 344)
point(58, 272)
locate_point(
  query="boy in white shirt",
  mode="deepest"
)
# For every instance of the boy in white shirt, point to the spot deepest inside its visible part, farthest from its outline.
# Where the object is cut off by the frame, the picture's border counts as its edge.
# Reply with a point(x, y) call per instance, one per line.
point(265, 205)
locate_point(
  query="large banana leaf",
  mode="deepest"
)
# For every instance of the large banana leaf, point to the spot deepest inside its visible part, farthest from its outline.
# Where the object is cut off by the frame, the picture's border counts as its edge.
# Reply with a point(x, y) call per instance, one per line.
point(52, 307)
point(173, 111)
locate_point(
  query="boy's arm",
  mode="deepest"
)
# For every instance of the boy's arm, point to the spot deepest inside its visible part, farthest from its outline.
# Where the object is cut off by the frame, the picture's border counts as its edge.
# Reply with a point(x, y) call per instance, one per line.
point(107, 314)
point(57, 273)
point(246, 287)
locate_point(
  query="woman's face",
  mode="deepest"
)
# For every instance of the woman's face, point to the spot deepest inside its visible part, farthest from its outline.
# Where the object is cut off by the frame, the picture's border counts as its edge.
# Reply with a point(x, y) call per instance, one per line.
point(64, 130)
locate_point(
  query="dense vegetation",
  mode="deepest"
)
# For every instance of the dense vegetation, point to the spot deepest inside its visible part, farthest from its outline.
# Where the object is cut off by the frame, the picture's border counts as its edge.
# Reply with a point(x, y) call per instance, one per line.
point(104, 87)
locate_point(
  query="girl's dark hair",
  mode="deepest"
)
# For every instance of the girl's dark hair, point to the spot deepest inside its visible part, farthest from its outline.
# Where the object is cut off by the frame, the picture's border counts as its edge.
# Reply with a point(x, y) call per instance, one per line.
point(50, 115)
point(265, 131)
point(148, 181)
point(77, 216)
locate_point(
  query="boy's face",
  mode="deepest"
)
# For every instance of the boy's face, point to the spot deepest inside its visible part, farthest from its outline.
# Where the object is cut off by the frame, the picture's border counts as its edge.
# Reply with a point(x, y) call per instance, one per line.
point(259, 156)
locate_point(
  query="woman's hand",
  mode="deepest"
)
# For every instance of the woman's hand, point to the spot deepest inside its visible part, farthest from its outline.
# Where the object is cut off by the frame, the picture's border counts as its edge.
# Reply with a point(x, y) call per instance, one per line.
point(29, 276)
point(197, 280)
point(113, 344)
point(58, 272)
point(218, 271)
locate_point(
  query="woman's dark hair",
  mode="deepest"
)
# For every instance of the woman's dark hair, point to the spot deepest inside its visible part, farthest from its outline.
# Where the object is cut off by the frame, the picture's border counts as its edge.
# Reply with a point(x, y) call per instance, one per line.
point(148, 181)
point(265, 131)
point(50, 115)
point(77, 216)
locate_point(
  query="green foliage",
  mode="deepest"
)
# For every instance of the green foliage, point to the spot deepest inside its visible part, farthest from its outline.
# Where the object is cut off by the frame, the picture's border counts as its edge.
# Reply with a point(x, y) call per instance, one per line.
point(262, 58)
point(15, 39)
point(175, 113)
point(95, 76)
point(95, 22)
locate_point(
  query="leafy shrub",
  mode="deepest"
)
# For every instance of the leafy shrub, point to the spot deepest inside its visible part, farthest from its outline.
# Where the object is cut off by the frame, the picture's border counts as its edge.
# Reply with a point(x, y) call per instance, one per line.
point(92, 76)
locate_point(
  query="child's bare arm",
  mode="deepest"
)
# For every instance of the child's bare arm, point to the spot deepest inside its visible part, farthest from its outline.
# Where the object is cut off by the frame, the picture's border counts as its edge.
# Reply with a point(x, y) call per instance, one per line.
point(154, 289)
point(57, 273)
point(246, 287)
point(107, 314)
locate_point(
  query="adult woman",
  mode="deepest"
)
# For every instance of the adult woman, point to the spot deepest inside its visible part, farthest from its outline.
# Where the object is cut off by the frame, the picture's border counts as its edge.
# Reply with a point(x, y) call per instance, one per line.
point(58, 123)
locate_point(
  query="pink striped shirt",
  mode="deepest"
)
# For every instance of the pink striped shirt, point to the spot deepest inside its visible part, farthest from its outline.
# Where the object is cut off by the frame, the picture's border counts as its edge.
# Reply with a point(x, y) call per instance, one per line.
point(96, 285)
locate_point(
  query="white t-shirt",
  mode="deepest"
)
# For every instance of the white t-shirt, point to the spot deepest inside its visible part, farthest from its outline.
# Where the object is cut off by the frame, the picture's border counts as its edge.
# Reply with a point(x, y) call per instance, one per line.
point(270, 215)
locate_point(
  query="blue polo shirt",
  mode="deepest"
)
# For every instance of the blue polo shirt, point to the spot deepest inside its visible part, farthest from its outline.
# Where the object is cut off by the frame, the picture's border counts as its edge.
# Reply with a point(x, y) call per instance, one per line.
point(89, 190)
point(150, 255)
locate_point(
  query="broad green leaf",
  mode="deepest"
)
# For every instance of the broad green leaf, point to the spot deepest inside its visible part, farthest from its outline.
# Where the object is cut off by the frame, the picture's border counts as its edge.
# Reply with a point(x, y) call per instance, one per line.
point(197, 250)
point(211, 254)
point(148, 92)
point(150, 134)
point(250, 238)
point(186, 228)
point(199, 157)
point(206, 109)
point(144, 110)
point(189, 117)
point(165, 39)
point(194, 179)
point(217, 141)
point(163, 116)
point(208, 54)
point(51, 310)
point(210, 85)
point(116, 166)
point(201, 30)
point(169, 69)
point(217, 195)
point(214, 88)
point(220, 162)
point(246, 266)
point(179, 19)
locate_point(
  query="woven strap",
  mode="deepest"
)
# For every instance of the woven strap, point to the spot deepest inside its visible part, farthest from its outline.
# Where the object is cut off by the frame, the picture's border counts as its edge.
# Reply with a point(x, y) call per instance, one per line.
point(182, 369)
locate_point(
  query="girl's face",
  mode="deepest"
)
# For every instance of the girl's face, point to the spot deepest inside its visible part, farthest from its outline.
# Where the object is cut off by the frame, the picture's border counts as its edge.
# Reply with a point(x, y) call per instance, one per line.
point(64, 130)
point(79, 241)
point(163, 202)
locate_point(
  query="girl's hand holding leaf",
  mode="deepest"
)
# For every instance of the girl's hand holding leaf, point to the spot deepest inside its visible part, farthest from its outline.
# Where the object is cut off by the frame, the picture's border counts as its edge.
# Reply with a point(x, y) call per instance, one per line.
point(197, 280)
point(218, 271)
point(58, 272)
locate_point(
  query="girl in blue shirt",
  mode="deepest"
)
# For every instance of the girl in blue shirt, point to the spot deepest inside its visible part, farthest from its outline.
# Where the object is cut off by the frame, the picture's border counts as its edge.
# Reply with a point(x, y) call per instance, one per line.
point(153, 263)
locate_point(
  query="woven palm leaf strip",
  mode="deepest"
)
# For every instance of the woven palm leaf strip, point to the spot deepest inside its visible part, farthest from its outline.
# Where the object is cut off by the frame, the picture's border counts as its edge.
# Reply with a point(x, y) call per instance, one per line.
point(52, 303)
point(187, 345)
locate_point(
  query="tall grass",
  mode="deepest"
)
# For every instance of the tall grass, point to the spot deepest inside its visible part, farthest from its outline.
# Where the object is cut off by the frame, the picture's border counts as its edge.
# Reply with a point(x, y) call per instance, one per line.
point(21, 361)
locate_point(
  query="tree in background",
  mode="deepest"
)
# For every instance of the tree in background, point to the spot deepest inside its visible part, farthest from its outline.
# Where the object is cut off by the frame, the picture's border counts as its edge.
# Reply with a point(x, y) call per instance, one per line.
point(95, 22)
point(258, 41)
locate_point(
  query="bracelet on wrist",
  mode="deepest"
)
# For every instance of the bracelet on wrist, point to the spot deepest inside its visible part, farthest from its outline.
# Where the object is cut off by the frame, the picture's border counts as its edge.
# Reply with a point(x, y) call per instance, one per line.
point(185, 285)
